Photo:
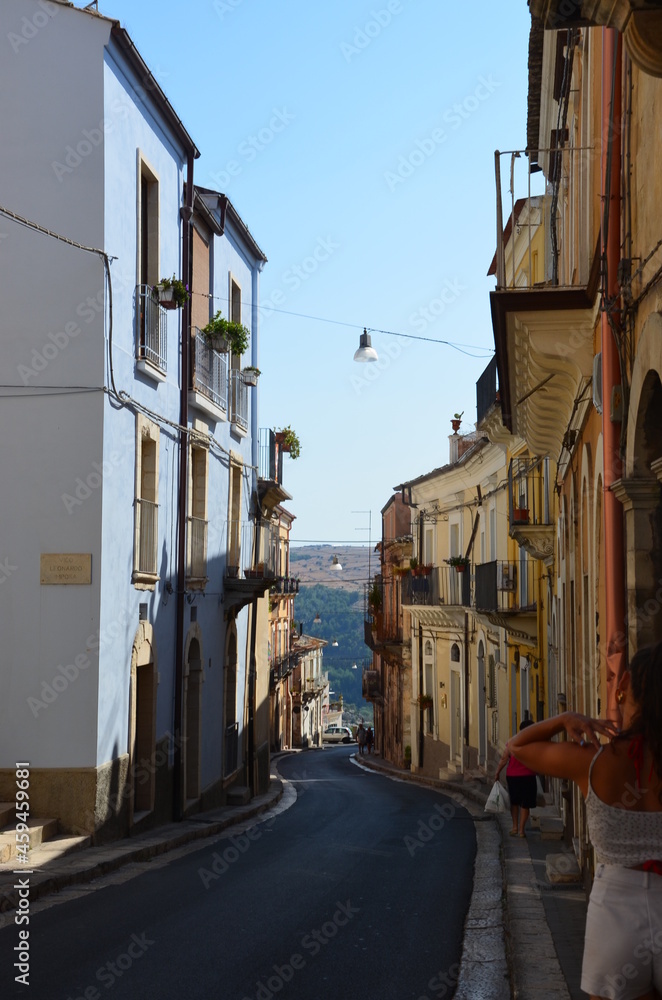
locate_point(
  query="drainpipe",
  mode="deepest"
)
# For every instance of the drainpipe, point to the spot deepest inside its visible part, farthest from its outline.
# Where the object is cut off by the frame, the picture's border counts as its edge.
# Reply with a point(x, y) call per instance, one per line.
point(611, 374)
point(187, 270)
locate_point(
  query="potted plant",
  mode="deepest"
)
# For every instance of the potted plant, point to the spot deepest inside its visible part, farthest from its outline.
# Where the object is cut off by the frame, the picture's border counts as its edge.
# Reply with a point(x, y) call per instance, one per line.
point(289, 442)
point(459, 562)
point(172, 293)
point(223, 335)
point(425, 701)
point(250, 375)
point(413, 565)
point(375, 597)
point(521, 515)
point(456, 421)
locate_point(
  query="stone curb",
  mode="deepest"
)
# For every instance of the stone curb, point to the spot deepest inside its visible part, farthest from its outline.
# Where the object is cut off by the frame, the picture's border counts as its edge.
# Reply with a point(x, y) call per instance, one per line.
point(94, 862)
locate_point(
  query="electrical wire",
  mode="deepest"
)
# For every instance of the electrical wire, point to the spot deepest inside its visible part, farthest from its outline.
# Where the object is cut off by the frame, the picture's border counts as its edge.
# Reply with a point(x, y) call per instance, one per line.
point(362, 326)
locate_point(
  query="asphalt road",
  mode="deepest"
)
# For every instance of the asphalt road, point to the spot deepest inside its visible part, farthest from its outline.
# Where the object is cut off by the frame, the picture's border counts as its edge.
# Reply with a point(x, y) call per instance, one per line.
point(359, 890)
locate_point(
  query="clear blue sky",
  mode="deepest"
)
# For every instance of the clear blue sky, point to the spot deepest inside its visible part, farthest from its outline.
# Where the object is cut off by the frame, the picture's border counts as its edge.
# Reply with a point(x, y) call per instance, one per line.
point(357, 142)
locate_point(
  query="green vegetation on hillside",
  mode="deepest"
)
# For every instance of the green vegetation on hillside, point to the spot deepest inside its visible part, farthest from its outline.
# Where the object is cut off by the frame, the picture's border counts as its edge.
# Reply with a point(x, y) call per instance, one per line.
point(341, 614)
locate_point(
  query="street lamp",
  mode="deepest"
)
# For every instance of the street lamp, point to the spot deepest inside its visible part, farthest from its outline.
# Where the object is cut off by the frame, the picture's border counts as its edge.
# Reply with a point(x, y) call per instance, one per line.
point(365, 351)
point(335, 565)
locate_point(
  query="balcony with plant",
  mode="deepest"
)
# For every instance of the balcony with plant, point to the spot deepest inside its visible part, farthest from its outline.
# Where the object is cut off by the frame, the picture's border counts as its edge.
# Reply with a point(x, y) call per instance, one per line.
point(224, 335)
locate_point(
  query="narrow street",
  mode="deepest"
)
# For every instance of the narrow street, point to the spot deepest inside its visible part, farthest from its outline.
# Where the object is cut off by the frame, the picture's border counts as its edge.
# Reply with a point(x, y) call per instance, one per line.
point(360, 888)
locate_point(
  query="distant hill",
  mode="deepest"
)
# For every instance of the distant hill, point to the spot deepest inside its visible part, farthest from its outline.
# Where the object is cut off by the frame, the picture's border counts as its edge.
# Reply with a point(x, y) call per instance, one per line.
point(312, 564)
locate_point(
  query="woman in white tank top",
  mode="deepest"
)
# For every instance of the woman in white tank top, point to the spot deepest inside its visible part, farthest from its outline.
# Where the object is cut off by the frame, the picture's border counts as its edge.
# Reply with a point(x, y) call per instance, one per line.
point(621, 782)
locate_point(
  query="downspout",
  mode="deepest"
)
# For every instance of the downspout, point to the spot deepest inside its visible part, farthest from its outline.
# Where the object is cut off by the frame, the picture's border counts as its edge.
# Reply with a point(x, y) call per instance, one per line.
point(611, 375)
point(187, 270)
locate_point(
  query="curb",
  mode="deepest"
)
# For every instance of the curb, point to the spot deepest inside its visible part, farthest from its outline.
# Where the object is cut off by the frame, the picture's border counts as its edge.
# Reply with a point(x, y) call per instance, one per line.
point(485, 965)
point(95, 862)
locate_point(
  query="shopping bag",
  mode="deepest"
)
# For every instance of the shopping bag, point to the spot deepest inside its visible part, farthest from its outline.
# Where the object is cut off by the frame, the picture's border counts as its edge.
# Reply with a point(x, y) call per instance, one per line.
point(498, 801)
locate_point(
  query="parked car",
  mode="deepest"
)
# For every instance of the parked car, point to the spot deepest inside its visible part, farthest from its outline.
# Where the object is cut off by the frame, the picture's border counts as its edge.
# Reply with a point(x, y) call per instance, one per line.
point(337, 734)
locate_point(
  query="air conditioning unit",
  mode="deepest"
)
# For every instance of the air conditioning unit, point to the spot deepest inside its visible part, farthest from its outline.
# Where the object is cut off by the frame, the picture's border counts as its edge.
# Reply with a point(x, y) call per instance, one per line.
point(597, 382)
point(506, 576)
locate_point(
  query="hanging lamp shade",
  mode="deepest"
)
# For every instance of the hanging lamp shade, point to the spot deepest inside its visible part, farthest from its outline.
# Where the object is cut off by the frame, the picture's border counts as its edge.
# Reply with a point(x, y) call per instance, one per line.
point(335, 565)
point(317, 619)
point(366, 351)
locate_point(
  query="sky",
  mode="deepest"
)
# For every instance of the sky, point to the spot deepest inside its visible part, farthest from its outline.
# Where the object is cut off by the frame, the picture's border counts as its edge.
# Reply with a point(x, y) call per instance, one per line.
point(356, 140)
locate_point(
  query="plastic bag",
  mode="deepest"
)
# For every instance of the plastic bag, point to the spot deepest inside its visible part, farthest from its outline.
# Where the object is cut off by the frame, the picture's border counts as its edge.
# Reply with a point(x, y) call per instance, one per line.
point(498, 801)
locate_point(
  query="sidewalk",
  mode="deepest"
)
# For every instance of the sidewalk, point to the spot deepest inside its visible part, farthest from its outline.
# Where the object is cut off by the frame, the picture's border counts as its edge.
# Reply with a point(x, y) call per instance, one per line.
point(524, 937)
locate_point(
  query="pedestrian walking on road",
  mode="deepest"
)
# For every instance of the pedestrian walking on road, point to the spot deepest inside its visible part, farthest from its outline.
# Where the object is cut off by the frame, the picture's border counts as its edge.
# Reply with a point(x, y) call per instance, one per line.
point(621, 782)
point(361, 738)
point(369, 739)
point(522, 787)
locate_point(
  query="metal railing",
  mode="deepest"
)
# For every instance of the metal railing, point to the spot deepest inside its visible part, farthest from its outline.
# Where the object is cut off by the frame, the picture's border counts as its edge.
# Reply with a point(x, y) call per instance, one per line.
point(541, 243)
point(147, 554)
point(486, 390)
point(504, 585)
point(529, 491)
point(442, 585)
point(252, 549)
point(210, 373)
point(196, 552)
point(152, 329)
point(270, 466)
point(238, 401)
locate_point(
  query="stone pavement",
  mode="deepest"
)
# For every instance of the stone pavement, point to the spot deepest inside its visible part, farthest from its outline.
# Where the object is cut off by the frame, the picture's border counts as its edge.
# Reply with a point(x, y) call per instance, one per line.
point(523, 939)
point(523, 936)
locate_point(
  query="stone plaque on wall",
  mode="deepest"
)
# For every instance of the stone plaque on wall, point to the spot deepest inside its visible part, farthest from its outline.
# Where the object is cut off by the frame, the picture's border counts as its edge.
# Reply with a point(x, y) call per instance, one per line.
point(66, 567)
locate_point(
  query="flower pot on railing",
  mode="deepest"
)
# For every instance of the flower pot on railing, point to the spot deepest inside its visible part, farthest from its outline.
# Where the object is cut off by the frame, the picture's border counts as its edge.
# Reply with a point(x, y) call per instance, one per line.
point(458, 562)
point(424, 701)
point(521, 515)
point(249, 376)
point(171, 293)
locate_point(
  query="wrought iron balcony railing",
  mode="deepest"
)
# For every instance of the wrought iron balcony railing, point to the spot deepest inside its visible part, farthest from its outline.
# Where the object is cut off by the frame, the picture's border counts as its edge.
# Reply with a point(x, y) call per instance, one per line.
point(238, 400)
point(147, 553)
point(152, 329)
point(210, 373)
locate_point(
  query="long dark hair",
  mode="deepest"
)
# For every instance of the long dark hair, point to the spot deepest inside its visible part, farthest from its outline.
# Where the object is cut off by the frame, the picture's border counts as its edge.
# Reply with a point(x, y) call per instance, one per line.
point(646, 684)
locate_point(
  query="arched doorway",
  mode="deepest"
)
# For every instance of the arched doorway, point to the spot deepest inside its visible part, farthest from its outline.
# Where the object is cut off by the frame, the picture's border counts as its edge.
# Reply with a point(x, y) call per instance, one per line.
point(193, 679)
point(142, 723)
point(482, 707)
point(230, 724)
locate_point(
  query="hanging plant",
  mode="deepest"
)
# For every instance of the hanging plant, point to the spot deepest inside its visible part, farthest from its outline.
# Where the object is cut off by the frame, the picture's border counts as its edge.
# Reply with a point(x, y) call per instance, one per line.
point(172, 293)
point(424, 701)
point(289, 442)
point(224, 335)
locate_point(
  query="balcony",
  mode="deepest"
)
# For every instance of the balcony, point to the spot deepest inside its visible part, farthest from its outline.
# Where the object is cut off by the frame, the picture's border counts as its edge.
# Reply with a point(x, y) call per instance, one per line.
point(210, 379)
point(530, 507)
point(196, 553)
point(151, 334)
point(146, 554)
point(284, 586)
point(507, 592)
point(372, 686)
point(443, 585)
point(486, 391)
point(238, 403)
point(251, 562)
point(270, 471)
point(545, 305)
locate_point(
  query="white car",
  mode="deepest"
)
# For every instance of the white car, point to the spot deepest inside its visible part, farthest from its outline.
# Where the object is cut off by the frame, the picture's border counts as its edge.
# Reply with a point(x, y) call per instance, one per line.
point(338, 734)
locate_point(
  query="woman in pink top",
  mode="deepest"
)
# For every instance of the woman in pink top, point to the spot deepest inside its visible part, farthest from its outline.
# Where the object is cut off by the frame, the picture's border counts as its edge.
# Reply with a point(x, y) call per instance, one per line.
point(522, 787)
point(622, 785)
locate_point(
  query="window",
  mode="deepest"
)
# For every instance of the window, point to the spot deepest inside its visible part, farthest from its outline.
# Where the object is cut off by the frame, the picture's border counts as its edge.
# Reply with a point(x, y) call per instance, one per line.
point(145, 549)
point(150, 317)
point(238, 391)
point(196, 542)
point(234, 522)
